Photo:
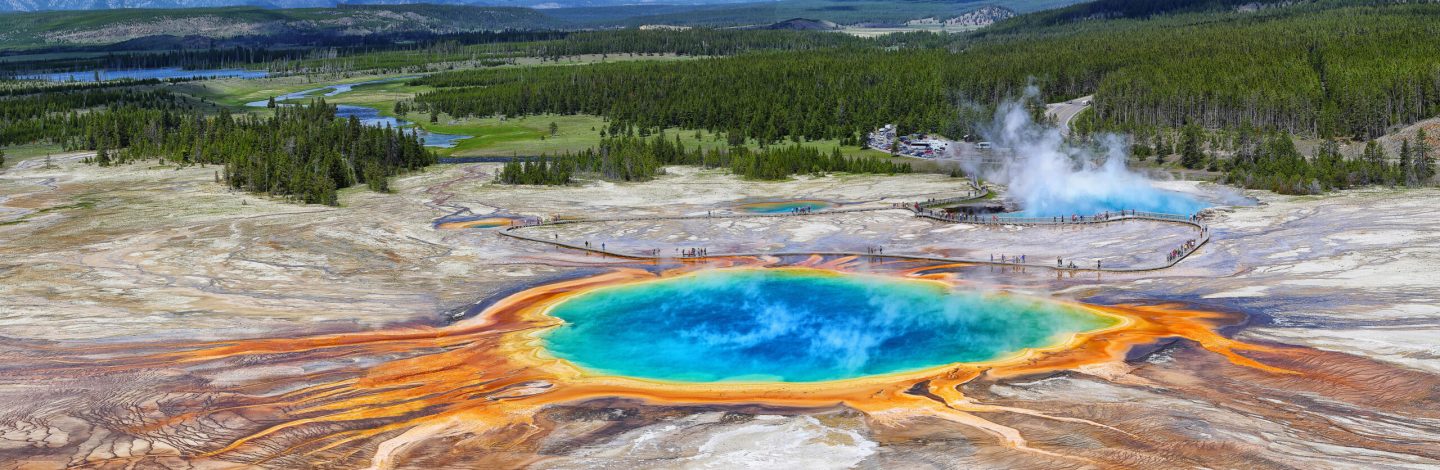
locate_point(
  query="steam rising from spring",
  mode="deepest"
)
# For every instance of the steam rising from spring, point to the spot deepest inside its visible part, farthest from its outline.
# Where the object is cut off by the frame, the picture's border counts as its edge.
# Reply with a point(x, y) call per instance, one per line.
point(1051, 177)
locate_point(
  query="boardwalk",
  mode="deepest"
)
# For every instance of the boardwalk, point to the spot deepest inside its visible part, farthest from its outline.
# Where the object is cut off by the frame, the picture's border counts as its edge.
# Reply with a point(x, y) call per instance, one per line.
point(920, 209)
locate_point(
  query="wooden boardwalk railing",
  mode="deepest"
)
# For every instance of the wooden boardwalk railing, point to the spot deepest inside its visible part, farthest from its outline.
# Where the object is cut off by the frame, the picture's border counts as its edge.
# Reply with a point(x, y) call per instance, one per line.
point(915, 208)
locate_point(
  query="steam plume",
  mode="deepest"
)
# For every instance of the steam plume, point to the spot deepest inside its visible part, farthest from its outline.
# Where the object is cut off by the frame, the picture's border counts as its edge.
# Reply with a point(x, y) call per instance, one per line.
point(1049, 177)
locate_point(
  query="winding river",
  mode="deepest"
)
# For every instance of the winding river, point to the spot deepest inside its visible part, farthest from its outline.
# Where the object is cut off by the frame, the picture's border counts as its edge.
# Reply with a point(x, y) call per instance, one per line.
point(367, 115)
point(162, 73)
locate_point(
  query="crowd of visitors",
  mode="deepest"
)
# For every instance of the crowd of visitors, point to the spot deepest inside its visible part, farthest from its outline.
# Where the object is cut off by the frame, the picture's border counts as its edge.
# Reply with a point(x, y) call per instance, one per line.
point(1009, 259)
point(1180, 251)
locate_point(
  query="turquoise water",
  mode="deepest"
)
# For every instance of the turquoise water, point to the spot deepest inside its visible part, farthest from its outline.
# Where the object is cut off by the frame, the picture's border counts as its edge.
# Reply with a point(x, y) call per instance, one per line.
point(143, 74)
point(1143, 199)
point(777, 207)
point(798, 326)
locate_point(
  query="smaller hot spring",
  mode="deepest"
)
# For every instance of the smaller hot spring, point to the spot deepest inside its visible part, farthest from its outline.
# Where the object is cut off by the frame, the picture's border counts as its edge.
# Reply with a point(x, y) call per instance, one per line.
point(1048, 176)
point(1101, 199)
point(800, 325)
point(780, 207)
point(474, 222)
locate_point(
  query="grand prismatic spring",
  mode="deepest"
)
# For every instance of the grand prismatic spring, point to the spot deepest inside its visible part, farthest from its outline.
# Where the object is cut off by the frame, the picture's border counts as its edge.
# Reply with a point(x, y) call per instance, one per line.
point(800, 325)
point(486, 378)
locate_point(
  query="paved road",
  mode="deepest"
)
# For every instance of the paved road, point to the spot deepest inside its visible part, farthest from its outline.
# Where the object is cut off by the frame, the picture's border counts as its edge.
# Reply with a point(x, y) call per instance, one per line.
point(1063, 113)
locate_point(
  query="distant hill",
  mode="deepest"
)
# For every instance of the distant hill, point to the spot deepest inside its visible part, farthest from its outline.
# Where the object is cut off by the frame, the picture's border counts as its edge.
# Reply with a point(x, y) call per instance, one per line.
point(842, 12)
point(170, 28)
point(1140, 9)
point(48, 5)
point(804, 24)
point(984, 16)
point(140, 25)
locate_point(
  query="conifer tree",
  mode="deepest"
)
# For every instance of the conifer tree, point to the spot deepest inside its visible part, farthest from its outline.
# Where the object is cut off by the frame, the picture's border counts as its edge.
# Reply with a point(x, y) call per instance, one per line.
point(1191, 155)
point(1406, 168)
point(1424, 159)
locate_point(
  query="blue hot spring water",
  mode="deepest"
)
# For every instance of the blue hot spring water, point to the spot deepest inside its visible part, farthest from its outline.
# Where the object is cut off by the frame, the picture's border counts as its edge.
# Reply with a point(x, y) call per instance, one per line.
point(1143, 199)
point(798, 325)
point(776, 207)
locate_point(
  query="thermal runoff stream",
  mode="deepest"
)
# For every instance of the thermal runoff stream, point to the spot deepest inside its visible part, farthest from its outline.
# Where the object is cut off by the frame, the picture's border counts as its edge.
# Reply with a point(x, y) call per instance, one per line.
point(800, 325)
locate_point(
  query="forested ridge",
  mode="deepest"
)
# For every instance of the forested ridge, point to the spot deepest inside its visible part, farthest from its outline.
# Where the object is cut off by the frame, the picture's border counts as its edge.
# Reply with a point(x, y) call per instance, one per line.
point(61, 115)
point(251, 51)
point(1273, 163)
point(418, 51)
point(632, 158)
point(767, 96)
point(276, 26)
point(1134, 9)
point(302, 152)
point(1325, 69)
point(305, 153)
point(845, 12)
point(690, 42)
point(1345, 72)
